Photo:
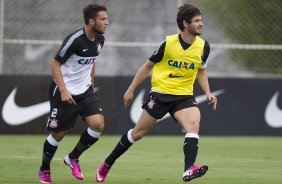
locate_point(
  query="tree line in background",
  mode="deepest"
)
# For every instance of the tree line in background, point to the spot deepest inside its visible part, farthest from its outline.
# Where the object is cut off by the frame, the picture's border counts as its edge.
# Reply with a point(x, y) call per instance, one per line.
point(251, 22)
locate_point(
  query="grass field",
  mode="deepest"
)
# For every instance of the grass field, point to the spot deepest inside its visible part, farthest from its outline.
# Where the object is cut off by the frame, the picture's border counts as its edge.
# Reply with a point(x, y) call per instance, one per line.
point(152, 160)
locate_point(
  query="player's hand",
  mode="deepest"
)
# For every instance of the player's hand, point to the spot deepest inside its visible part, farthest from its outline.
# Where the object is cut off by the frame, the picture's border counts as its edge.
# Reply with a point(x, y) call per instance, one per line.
point(66, 97)
point(128, 97)
point(212, 100)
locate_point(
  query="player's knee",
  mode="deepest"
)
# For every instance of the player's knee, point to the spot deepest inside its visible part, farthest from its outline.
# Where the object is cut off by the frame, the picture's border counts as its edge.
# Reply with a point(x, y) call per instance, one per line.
point(137, 134)
point(101, 126)
point(58, 136)
point(97, 126)
point(193, 126)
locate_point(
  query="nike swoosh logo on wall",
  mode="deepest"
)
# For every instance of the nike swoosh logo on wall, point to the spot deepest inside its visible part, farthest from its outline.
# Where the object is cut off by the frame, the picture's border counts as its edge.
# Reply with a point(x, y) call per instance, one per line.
point(273, 114)
point(16, 115)
point(31, 53)
point(136, 109)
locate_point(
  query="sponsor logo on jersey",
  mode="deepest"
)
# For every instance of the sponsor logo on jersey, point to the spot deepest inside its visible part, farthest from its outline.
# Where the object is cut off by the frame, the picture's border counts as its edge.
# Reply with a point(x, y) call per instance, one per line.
point(87, 61)
point(181, 64)
point(99, 47)
point(174, 76)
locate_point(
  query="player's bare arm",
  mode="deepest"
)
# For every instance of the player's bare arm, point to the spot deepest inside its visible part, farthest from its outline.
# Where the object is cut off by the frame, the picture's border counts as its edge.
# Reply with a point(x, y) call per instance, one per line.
point(57, 74)
point(92, 74)
point(204, 84)
point(140, 76)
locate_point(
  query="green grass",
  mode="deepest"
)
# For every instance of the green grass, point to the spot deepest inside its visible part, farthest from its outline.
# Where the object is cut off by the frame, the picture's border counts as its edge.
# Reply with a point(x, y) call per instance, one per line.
point(152, 160)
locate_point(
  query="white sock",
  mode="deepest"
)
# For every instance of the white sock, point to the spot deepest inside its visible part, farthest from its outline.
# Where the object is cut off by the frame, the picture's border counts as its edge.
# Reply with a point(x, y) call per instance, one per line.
point(52, 141)
point(93, 133)
point(192, 135)
point(130, 137)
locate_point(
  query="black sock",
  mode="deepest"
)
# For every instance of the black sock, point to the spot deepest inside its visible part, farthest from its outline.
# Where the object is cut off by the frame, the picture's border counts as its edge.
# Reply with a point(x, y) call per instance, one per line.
point(48, 153)
point(83, 144)
point(120, 148)
point(190, 149)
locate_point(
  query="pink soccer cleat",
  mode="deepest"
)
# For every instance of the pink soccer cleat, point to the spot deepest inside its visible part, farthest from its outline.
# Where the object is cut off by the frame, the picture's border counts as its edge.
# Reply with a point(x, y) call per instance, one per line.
point(45, 177)
point(75, 168)
point(102, 172)
point(194, 172)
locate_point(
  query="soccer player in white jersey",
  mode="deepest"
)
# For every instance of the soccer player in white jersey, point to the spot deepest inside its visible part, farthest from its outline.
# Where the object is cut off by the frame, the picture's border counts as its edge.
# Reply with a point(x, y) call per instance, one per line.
point(72, 91)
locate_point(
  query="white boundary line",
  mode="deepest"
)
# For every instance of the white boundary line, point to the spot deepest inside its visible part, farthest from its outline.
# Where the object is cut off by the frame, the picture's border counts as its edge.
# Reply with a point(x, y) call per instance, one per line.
point(128, 160)
point(148, 44)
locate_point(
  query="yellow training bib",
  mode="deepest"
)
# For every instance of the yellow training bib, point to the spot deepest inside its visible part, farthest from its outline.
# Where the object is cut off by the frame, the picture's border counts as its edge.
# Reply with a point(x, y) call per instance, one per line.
point(176, 73)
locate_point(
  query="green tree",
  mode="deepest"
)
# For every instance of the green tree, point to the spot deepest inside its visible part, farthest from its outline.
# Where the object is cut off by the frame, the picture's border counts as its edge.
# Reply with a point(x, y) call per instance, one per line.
point(250, 22)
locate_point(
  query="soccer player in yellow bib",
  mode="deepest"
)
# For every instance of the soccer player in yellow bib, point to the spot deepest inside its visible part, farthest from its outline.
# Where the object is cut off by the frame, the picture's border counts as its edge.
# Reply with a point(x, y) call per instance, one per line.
point(177, 62)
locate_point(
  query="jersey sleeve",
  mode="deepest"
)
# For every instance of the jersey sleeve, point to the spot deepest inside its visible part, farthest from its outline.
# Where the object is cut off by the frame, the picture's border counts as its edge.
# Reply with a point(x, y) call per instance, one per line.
point(205, 55)
point(66, 50)
point(158, 54)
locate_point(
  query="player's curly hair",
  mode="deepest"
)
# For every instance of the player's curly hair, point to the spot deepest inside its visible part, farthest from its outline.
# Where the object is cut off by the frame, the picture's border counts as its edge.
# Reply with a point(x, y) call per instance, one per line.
point(91, 11)
point(186, 12)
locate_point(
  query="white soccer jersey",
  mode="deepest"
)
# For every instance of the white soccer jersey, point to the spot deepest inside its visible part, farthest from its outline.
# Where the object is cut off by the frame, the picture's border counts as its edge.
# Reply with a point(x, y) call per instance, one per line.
point(77, 55)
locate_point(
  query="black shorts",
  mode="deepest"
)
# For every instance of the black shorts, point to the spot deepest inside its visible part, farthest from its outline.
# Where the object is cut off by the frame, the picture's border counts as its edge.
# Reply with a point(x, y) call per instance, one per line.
point(157, 105)
point(64, 115)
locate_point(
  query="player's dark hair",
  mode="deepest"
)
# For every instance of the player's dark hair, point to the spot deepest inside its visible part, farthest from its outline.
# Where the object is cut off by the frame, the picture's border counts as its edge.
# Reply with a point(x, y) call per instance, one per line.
point(186, 12)
point(91, 11)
